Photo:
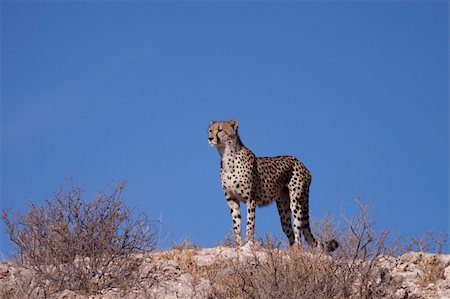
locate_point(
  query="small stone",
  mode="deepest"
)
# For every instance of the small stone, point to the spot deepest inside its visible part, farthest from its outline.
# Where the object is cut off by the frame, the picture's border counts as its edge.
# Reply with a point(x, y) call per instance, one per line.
point(447, 273)
point(401, 294)
point(67, 294)
point(4, 270)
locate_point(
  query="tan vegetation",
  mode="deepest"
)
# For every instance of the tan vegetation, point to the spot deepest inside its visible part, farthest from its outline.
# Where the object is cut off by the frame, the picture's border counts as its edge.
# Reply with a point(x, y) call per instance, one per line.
point(84, 246)
point(271, 271)
point(431, 269)
point(72, 248)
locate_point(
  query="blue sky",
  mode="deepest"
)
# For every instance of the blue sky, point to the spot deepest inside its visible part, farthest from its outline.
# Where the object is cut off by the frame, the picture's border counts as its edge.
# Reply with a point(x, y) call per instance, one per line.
point(106, 91)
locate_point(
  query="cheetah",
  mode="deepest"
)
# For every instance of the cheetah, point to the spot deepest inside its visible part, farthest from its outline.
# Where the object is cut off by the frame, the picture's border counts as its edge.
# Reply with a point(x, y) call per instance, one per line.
point(258, 181)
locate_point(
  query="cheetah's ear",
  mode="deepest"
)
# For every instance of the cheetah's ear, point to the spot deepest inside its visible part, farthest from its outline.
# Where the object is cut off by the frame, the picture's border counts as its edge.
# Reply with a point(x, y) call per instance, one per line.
point(234, 124)
point(211, 122)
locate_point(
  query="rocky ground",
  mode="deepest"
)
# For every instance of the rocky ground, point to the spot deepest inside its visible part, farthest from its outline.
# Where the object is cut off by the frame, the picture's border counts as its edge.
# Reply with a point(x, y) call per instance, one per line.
point(184, 275)
point(421, 275)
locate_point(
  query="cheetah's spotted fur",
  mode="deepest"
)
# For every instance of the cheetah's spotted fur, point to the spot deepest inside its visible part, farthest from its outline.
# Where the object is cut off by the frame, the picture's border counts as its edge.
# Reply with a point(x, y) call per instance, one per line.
point(257, 181)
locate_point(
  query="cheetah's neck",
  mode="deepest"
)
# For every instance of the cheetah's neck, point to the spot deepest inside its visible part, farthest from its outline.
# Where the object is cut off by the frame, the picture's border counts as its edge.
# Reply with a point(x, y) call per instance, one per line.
point(229, 151)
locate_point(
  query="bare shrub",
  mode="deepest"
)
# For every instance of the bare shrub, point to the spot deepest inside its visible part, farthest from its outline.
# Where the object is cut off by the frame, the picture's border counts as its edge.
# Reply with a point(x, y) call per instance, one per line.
point(83, 246)
point(353, 271)
point(428, 242)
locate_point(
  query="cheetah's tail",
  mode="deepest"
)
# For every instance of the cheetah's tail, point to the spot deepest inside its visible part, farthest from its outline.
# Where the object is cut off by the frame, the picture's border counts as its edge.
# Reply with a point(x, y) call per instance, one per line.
point(330, 245)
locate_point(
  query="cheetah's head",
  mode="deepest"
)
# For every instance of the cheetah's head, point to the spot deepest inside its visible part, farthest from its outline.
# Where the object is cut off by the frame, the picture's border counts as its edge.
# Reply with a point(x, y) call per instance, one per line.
point(221, 133)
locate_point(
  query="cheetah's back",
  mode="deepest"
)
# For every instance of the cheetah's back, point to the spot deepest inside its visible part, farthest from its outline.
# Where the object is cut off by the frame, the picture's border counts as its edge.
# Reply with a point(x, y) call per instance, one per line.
point(273, 174)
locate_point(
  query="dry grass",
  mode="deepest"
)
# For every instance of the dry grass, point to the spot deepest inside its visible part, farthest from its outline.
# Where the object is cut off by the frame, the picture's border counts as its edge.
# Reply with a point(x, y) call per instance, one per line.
point(183, 258)
point(183, 254)
point(271, 269)
point(90, 247)
point(293, 273)
point(353, 271)
point(432, 269)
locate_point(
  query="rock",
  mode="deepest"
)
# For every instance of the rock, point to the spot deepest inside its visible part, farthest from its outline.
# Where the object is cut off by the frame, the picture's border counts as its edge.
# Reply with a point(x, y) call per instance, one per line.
point(67, 294)
point(447, 273)
point(401, 294)
point(4, 270)
point(178, 274)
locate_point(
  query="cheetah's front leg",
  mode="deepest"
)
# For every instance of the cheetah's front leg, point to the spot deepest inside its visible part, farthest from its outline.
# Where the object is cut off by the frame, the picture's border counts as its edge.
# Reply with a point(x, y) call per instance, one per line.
point(250, 229)
point(236, 217)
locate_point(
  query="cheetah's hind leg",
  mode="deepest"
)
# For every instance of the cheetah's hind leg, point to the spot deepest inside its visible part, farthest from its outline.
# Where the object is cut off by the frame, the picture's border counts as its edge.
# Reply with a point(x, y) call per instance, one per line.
point(284, 210)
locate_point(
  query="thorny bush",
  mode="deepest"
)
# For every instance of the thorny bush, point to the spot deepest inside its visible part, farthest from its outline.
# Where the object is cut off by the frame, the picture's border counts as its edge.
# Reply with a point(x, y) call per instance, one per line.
point(79, 245)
